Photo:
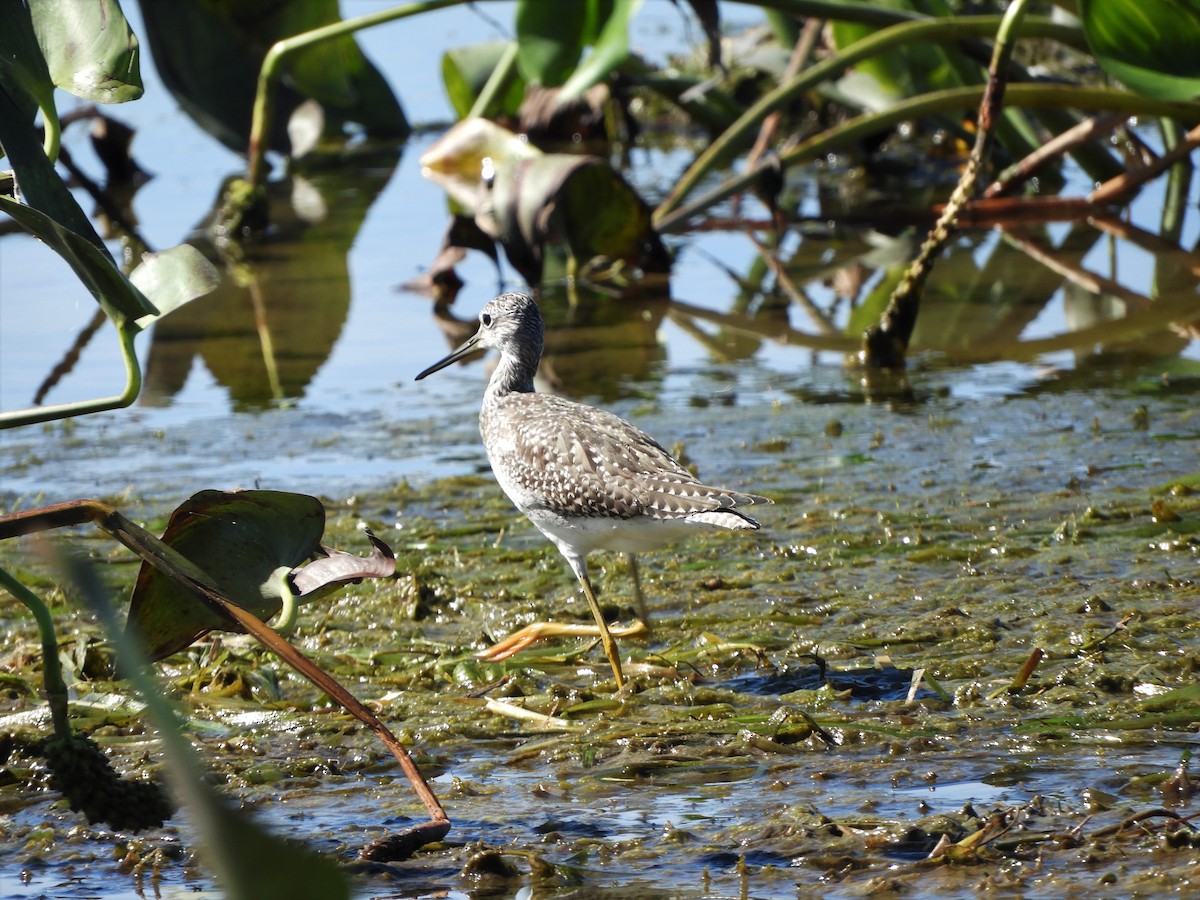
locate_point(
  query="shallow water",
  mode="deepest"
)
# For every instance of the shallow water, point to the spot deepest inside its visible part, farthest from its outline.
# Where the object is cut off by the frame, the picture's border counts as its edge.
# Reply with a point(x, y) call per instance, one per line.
point(1005, 502)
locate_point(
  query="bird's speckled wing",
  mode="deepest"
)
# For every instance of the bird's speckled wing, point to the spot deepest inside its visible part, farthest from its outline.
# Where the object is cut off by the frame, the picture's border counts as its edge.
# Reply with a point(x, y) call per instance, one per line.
point(551, 453)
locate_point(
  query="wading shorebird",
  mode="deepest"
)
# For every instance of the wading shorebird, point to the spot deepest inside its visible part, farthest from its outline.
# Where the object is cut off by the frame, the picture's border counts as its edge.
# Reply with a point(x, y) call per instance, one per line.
point(586, 478)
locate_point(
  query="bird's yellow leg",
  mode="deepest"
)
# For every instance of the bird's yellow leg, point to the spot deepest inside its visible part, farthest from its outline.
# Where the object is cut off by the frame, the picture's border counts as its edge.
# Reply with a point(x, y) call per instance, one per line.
point(606, 638)
point(643, 612)
point(526, 637)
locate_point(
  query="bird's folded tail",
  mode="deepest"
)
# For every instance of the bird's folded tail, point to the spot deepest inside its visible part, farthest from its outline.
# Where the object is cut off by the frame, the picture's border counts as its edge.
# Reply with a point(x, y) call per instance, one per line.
point(724, 518)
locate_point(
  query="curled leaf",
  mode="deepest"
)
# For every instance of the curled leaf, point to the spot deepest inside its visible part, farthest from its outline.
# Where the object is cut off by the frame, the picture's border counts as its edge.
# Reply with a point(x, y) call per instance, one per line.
point(339, 567)
point(241, 539)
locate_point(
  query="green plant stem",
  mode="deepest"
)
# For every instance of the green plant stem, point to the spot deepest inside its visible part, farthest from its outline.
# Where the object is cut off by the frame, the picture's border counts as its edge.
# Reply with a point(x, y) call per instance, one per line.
point(885, 344)
point(908, 32)
point(52, 133)
point(1032, 96)
point(56, 688)
point(264, 98)
point(496, 82)
point(126, 332)
point(863, 13)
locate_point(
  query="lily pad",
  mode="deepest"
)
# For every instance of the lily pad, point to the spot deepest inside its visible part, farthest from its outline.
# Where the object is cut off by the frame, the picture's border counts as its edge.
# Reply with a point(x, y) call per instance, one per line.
point(247, 541)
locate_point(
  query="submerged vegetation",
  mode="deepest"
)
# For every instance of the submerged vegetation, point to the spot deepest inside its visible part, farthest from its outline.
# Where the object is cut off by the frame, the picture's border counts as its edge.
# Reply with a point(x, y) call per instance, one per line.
point(961, 653)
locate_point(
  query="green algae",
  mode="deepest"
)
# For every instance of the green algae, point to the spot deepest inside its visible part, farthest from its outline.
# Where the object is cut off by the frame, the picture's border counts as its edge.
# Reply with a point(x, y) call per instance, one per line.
point(778, 737)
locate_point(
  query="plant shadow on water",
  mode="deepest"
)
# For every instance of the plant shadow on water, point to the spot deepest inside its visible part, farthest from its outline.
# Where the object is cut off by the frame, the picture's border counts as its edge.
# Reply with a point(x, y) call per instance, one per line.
point(1035, 487)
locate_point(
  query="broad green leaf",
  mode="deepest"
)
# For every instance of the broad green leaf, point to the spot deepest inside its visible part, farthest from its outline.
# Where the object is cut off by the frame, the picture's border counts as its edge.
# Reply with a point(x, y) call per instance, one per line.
point(172, 278)
point(1151, 46)
point(610, 51)
point(465, 70)
point(536, 197)
point(551, 39)
point(119, 299)
point(25, 83)
point(209, 56)
point(39, 184)
point(89, 48)
point(242, 539)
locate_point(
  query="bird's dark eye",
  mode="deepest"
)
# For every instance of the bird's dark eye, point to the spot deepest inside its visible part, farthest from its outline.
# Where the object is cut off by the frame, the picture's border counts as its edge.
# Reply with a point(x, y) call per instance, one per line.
point(486, 319)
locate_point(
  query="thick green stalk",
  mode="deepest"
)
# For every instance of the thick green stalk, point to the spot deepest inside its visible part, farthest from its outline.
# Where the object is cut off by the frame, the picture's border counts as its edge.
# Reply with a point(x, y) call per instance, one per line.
point(1031, 96)
point(56, 688)
point(126, 332)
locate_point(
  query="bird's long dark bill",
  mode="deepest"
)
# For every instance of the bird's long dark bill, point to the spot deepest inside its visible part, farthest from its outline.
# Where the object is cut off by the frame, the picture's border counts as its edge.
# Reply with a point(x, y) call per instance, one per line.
point(452, 358)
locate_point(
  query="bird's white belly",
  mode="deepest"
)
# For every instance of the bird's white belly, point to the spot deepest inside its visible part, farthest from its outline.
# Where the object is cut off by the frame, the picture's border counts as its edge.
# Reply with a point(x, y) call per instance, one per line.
point(585, 534)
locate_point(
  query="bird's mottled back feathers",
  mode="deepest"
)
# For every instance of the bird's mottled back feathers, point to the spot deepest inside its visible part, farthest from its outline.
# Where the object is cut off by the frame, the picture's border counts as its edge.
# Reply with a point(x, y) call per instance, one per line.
point(555, 454)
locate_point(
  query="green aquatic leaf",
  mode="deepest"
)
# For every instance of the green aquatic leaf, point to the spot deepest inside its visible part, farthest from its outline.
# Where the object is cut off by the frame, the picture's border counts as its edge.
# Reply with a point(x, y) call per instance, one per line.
point(610, 51)
point(465, 71)
point(172, 278)
point(580, 200)
point(25, 83)
point(550, 37)
point(90, 49)
point(248, 541)
point(1148, 45)
point(116, 295)
point(209, 56)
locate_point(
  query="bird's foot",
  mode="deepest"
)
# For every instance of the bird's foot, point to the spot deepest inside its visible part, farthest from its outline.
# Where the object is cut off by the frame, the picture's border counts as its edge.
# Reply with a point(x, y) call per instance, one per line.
point(529, 635)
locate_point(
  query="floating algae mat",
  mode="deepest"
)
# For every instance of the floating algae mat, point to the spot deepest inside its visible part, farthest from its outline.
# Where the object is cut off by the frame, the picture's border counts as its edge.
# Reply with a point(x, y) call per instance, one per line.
point(961, 654)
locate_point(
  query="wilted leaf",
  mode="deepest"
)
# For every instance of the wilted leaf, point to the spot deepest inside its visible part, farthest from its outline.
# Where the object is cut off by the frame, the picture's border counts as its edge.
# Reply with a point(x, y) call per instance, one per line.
point(467, 153)
point(1149, 45)
point(246, 541)
point(89, 48)
point(340, 567)
point(579, 200)
point(172, 278)
point(535, 197)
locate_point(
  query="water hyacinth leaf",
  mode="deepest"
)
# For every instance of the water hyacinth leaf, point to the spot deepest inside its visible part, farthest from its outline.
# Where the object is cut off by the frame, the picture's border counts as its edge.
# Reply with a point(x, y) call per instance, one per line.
point(241, 539)
point(23, 72)
point(172, 278)
point(610, 51)
point(465, 71)
point(535, 197)
point(551, 38)
point(340, 567)
point(1148, 45)
point(90, 50)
